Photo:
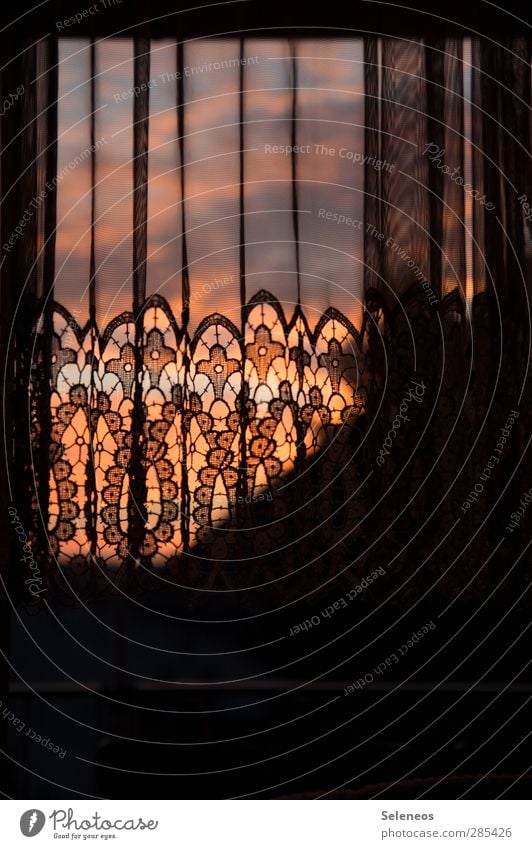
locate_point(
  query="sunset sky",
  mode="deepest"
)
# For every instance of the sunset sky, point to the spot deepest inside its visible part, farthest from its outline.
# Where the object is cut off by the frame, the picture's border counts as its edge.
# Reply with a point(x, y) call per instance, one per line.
point(329, 113)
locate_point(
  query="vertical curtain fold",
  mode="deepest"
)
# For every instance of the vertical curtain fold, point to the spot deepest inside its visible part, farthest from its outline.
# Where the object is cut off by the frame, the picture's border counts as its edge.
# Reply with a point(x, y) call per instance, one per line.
point(397, 204)
point(91, 486)
point(242, 487)
point(185, 295)
point(504, 86)
point(470, 155)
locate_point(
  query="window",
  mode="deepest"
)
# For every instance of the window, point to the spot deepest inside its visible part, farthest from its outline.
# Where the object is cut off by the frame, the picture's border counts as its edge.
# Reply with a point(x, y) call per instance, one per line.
point(254, 240)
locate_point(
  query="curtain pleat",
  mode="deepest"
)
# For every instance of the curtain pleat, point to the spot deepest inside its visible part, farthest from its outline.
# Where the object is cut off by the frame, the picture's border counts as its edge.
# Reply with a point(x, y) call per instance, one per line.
point(91, 488)
point(30, 166)
point(373, 143)
point(48, 104)
point(400, 209)
point(137, 471)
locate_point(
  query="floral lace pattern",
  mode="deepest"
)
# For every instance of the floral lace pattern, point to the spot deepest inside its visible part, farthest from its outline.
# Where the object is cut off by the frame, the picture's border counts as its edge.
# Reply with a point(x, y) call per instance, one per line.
point(221, 463)
point(181, 436)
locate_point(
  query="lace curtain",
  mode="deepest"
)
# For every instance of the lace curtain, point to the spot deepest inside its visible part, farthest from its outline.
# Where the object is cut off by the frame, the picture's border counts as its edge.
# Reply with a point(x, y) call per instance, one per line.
point(270, 303)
